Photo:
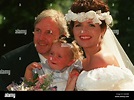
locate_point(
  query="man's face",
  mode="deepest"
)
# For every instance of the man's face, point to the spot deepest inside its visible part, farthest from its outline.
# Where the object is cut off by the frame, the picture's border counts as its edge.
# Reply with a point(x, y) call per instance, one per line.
point(45, 32)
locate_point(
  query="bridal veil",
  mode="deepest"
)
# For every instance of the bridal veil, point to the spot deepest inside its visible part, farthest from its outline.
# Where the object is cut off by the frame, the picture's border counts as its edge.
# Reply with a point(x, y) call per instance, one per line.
point(113, 44)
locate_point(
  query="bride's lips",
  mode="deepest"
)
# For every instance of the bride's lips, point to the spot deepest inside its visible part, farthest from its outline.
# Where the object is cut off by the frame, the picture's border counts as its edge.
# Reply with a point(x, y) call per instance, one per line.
point(85, 37)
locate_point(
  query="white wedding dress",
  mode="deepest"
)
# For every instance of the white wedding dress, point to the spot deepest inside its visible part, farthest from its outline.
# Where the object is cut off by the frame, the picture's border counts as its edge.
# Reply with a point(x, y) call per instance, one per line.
point(110, 78)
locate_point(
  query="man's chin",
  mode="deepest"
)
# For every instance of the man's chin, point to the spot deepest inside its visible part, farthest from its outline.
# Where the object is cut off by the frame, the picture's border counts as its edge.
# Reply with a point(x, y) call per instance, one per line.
point(43, 52)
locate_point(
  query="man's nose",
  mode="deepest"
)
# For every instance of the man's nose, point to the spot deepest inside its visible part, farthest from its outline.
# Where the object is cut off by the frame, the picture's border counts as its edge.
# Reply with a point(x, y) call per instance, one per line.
point(42, 36)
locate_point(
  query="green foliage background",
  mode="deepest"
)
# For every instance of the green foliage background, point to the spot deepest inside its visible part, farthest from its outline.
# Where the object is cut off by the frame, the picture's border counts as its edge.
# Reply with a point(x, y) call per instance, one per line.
point(20, 14)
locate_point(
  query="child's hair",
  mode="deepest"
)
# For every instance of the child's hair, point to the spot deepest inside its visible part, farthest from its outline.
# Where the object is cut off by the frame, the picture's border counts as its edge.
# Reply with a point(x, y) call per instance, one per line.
point(76, 50)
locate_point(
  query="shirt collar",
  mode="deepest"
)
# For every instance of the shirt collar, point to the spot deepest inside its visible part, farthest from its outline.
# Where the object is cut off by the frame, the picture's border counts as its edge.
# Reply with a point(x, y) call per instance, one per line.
point(42, 59)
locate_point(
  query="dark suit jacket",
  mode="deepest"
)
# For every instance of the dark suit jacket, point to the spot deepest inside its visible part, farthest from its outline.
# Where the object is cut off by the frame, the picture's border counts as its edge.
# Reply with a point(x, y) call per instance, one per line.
point(16, 62)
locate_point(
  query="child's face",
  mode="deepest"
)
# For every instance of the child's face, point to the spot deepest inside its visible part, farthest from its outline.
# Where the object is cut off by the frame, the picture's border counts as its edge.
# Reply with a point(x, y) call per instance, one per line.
point(60, 57)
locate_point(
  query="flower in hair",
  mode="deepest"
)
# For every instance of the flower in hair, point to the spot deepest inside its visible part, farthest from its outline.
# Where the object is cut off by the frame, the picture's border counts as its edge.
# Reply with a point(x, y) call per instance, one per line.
point(95, 16)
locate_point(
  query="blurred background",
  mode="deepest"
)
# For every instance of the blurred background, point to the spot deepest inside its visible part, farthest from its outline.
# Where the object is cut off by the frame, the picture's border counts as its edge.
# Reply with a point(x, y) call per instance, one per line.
point(17, 18)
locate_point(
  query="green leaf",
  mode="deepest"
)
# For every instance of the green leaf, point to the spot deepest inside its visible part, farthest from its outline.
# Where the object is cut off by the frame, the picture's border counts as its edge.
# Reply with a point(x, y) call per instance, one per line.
point(35, 76)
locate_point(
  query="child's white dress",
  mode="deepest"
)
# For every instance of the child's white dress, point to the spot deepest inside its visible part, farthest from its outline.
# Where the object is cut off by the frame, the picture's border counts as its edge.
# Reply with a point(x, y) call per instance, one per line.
point(111, 78)
point(59, 77)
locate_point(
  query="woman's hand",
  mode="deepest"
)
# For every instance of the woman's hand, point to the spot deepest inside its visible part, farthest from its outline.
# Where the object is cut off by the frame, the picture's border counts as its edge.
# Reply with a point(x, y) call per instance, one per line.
point(71, 83)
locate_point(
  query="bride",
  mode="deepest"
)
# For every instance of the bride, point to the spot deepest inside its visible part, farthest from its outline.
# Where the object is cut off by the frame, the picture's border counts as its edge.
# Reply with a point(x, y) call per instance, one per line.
point(106, 66)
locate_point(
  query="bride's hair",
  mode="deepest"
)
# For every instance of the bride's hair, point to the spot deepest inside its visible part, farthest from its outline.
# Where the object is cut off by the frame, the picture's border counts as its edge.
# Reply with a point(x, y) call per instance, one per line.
point(88, 5)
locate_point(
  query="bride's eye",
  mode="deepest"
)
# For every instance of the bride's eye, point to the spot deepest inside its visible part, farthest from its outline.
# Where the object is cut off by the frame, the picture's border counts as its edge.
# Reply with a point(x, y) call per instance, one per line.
point(77, 25)
point(91, 25)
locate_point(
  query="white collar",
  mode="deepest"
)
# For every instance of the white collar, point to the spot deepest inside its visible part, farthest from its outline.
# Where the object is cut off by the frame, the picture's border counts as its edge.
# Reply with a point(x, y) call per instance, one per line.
point(42, 59)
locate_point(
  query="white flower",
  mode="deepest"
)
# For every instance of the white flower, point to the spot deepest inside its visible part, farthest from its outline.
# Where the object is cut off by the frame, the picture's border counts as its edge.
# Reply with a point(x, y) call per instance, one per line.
point(96, 20)
point(81, 17)
point(71, 16)
point(90, 15)
point(95, 16)
point(109, 19)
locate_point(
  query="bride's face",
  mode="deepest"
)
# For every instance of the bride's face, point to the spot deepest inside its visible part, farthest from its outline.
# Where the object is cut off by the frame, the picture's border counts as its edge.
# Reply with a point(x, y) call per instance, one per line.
point(87, 34)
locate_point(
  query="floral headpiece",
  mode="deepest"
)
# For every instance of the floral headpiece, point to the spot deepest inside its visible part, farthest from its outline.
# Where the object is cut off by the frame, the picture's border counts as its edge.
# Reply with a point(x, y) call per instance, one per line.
point(95, 16)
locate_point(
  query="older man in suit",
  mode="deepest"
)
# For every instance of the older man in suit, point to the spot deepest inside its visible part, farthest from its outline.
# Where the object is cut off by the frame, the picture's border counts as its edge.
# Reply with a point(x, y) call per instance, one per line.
point(49, 25)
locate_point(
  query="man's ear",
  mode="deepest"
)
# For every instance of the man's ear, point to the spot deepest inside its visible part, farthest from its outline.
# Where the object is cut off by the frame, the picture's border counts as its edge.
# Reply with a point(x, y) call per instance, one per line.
point(71, 62)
